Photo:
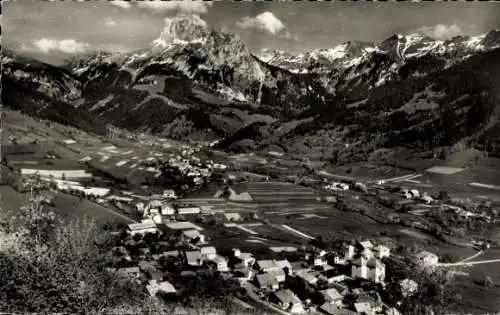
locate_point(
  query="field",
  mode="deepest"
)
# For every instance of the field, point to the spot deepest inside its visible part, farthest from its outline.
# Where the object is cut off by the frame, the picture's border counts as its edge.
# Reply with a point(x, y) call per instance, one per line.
point(69, 207)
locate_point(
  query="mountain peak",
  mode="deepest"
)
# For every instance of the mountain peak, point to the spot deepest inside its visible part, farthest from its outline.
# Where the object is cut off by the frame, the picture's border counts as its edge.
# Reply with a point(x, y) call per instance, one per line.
point(182, 28)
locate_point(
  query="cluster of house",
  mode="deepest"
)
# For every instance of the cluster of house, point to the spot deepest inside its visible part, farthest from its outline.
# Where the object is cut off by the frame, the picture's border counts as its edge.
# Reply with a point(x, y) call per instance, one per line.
point(192, 166)
point(336, 186)
point(415, 194)
point(363, 261)
point(330, 274)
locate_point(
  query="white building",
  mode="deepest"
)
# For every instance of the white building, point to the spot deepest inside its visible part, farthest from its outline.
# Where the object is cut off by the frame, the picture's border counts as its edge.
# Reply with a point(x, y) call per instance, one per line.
point(146, 226)
point(56, 173)
point(169, 193)
point(208, 252)
point(194, 258)
point(381, 251)
point(372, 269)
point(167, 209)
point(221, 263)
point(189, 210)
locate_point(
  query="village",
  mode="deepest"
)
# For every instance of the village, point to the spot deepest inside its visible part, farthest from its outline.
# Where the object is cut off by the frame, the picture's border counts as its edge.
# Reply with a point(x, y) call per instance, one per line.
point(241, 231)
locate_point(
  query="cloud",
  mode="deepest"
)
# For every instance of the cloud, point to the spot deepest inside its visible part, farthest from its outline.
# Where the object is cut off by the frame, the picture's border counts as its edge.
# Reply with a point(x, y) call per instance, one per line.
point(265, 22)
point(182, 6)
point(69, 46)
point(440, 31)
point(121, 3)
point(110, 22)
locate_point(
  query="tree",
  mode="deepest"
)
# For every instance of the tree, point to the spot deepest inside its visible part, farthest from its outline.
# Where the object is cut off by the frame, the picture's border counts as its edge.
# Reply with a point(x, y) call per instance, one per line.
point(443, 195)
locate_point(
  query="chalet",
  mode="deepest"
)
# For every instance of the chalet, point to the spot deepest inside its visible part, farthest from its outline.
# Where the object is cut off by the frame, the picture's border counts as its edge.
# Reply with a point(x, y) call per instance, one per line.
point(247, 258)
point(287, 300)
point(221, 263)
point(332, 296)
point(279, 274)
point(208, 252)
point(169, 194)
point(319, 261)
point(309, 277)
point(194, 258)
point(363, 308)
point(376, 270)
point(266, 281)
point(166, 209)
point(146, 226)
point(266, 265)
point(194, 234)
point(299, 267)
point(427, 258)
point(359, 269)
point(243, 275)
point(381, 251)
point(367, 304)
point(333, 309)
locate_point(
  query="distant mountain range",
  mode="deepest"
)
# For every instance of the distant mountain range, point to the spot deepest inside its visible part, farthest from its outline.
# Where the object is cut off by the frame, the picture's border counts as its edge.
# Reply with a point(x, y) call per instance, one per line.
point(409, 90)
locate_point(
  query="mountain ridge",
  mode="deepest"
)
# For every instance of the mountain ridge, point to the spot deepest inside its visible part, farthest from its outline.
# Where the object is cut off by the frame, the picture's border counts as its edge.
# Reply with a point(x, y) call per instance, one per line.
point(209, 80)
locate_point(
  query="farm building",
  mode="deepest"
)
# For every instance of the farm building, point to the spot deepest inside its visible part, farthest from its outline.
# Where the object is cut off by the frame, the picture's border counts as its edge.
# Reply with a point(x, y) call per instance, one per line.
point(183, 225)
point(55, 173)
point(189, 210)
point(146, 226)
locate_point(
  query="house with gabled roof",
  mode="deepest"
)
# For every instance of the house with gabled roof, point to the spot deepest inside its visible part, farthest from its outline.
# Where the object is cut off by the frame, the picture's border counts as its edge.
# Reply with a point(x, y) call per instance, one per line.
point(287, 300)
point(267, 282)
point(194, 258)
point(332, 296)
point(266, 265)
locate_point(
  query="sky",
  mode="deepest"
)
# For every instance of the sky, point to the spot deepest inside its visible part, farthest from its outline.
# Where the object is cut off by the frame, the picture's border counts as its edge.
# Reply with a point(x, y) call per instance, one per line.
point(52, 31)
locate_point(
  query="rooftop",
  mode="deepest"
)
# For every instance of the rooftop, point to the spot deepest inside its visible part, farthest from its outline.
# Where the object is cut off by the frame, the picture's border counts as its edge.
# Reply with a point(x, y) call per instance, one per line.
point(185, 225)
